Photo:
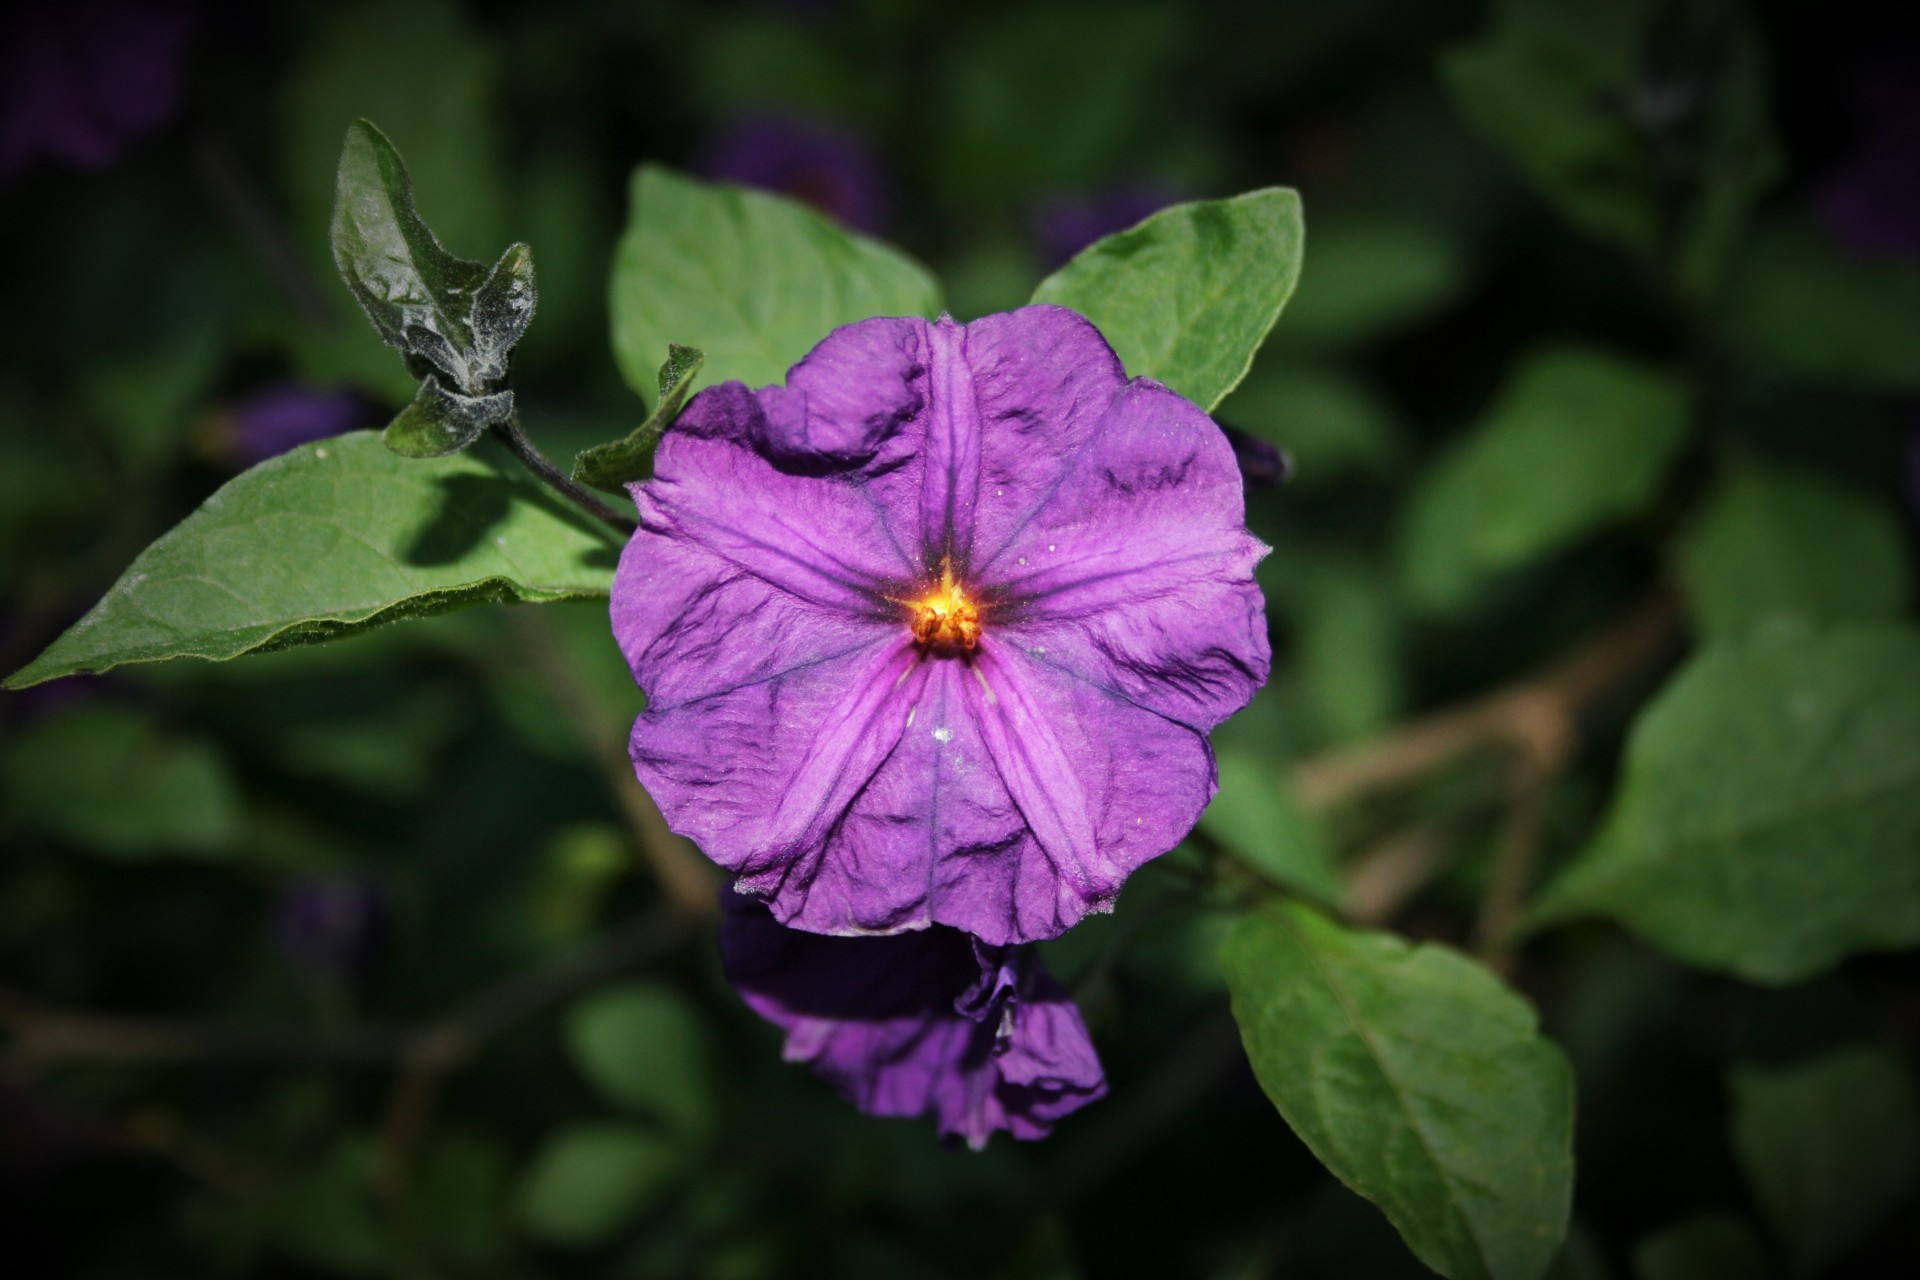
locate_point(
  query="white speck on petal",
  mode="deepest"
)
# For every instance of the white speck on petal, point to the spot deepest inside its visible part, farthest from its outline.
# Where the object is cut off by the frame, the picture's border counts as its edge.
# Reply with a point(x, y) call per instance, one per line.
point(943, 734)
point(1023, 559)
point(912, 711)
point(1049, 546)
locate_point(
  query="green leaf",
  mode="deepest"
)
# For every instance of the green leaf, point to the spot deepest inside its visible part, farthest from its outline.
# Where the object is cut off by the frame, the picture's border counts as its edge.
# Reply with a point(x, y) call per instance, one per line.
point(1829, 1145)
point(1418, 1079)
point(1331, 423)
point(329, 540)
point(752, 280)
point(1710, 1246)
point(1254, 816)
point(1575, 439)
point(1368, 277)
point(455, 321)
point(1187, 296)
point(367, 60)
point(643, 1047)
point(612, 466)
point(1769, 808)
point(590, 1180)
point(1346, 670)
point(1639, 125)
point(1775, 542)
point(439, 422)
point(1544, 86)
point(1803, 307)
point(103, 778)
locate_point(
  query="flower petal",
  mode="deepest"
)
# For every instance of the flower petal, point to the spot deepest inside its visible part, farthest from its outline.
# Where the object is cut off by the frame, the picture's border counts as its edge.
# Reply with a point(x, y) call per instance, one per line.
point(1137, 574)
point(950, 459)
point(778, 483)
point(1042, 380)
point(766, 716)
point(877, 1017)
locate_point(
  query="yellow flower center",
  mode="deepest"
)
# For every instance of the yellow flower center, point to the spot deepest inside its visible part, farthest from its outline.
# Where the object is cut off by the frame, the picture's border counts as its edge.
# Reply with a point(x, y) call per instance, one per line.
point(944, 619)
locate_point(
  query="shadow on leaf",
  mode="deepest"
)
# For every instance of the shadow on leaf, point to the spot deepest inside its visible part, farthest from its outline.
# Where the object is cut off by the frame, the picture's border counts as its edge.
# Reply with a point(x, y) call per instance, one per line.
point(470, 505)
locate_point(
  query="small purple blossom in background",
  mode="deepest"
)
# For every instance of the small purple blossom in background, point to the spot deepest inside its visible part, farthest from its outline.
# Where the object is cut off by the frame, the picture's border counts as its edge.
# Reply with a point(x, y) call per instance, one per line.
point(1262, 465)
point(266, 423)
point(919, 1023)
point(935, 632)
point(1872, 204)
point(80, 81)
point(1913, 476)
point(1063, 225)
point(331, 929)
point(817, 163)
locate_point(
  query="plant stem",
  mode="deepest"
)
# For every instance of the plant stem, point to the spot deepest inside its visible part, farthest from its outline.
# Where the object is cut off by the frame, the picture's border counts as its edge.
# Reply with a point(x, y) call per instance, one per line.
point(689, 880)
point(515, 438)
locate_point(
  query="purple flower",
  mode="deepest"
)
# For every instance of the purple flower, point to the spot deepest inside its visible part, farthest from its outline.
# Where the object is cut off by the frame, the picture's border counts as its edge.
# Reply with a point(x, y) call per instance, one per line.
point(331, 929)
point(80, 81)
point(272, 420)
point(1064, 225)
point(1872, 205)
point(923, 1022)
point(934, 633)
point(816, 163)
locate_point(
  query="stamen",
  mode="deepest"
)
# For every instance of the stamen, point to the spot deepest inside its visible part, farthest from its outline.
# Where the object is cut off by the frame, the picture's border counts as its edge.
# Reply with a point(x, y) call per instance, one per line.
point(944, 619)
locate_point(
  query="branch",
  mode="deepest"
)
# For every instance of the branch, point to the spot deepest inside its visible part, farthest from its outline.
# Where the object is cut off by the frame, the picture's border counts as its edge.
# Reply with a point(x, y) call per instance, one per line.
point(1539, 716)
point(514, 436)
point(687, 877)
point(41, 1037)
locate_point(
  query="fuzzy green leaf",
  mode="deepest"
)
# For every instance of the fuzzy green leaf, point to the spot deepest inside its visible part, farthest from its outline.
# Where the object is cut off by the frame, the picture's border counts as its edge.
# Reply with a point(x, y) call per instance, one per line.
point(1769, 810)
point(1575, 439)
point(1779, 543)
point(611, 467)
point(329, 540)
point(752, 280)
point(1187, 296)
point(1418, 1079)
point(448, 316)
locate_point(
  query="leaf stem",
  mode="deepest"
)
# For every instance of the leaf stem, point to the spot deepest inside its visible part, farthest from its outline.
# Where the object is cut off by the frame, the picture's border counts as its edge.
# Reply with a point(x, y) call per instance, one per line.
point(512, 435)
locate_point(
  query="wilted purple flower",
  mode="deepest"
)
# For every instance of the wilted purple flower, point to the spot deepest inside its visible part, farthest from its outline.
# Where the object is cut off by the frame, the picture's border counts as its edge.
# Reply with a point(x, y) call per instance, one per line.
point(934, 633)
point(82, 80)
point(268, 422)
point(1064, 225)
point(817, 163)
point(1872, 205)
point(917, 1023)
point(331, 929)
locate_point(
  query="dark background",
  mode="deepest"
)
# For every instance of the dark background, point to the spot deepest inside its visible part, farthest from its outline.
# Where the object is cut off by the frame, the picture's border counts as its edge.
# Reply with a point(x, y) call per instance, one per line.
point(304, 848)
